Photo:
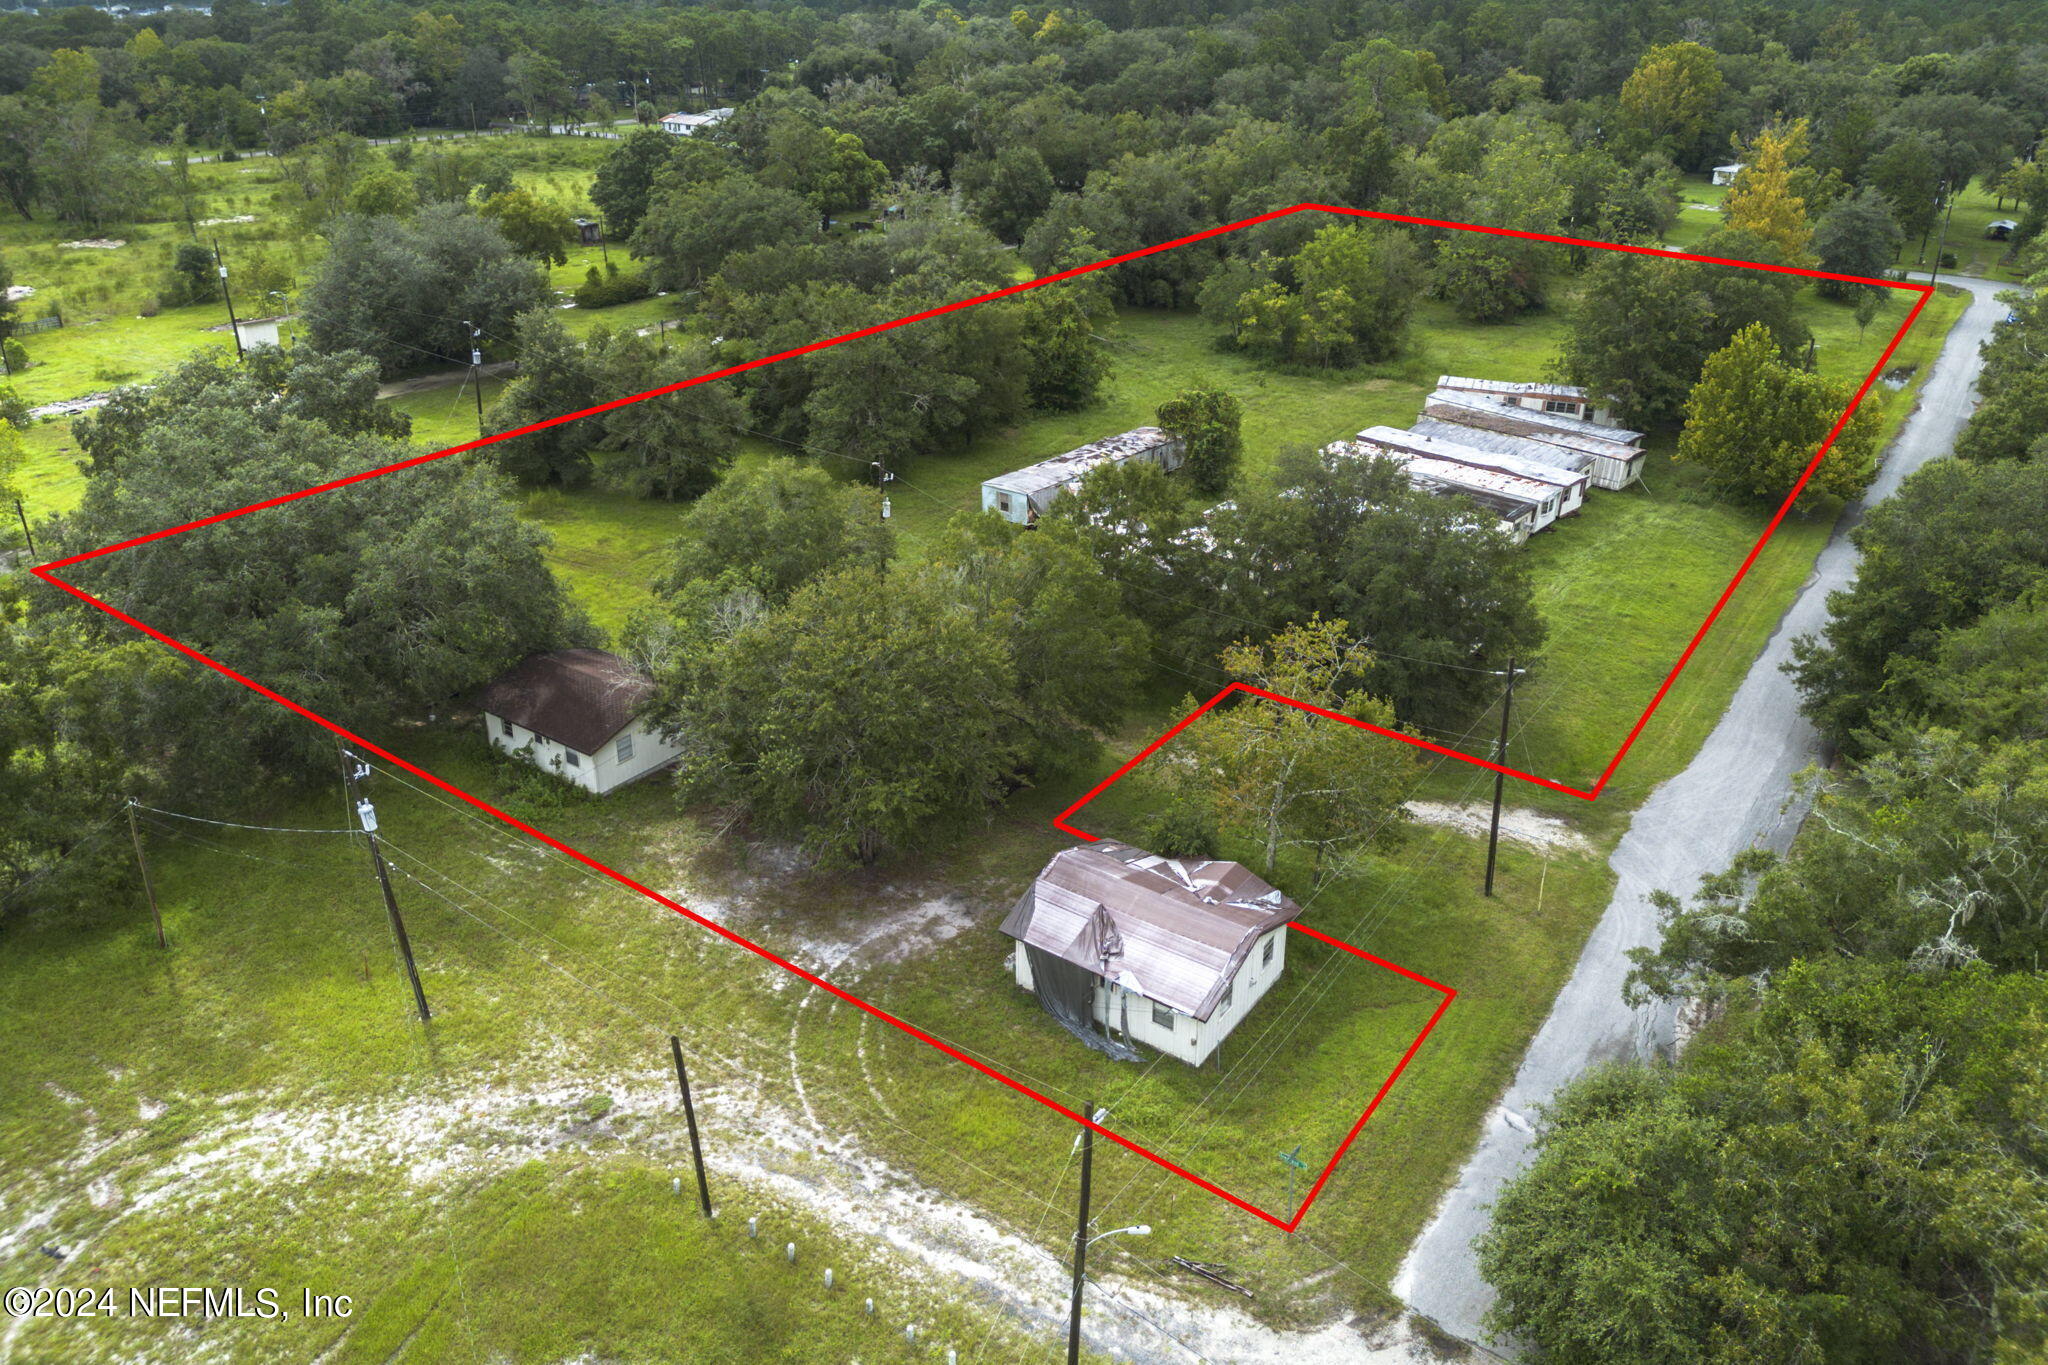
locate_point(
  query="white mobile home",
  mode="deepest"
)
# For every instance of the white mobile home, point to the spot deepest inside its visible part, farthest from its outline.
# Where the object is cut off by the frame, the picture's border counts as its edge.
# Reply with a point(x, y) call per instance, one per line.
point(1616, 452)
point(575, 713)
point(1025, 495)
point(1562, 400)
point(1725, 175)
point(1523, 447)
point(1523, 505)
point(1570, 485)
point(1121, 944)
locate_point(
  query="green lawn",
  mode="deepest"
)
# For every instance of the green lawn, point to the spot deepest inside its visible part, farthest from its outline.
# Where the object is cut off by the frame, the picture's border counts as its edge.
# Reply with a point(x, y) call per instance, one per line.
point(279, 994)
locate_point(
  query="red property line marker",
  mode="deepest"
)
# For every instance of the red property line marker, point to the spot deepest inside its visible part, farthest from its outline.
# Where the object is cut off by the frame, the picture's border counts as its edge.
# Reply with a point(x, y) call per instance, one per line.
point(47, 573)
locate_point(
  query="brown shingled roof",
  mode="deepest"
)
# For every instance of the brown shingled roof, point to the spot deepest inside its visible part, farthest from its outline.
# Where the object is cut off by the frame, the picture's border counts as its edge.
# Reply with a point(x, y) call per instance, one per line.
point(577, 697)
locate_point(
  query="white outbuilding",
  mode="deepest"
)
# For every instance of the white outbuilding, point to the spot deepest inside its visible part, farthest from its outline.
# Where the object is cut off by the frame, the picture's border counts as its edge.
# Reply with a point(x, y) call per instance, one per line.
point(1725, 175)
point(576, 713)
point(1122, 946)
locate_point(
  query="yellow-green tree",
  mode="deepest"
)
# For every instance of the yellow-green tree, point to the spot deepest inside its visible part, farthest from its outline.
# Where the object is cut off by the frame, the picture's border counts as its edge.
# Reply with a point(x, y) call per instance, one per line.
point(1293, 778)
point(1765, 198)
point(1753, 422)
point(1672, 96)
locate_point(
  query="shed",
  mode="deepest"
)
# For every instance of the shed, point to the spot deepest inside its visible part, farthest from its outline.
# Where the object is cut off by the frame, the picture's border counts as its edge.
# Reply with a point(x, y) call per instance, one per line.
point(1561, 400)
point(1570, 485)
point(1725, 175)
point(575, 713)
point(1124, 946)
point(1616, 452)
point(1024, 495)
point(588, 231)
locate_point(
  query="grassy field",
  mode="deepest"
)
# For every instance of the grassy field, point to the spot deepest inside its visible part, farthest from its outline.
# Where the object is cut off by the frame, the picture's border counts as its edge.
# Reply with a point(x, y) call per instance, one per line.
point(271, 1055)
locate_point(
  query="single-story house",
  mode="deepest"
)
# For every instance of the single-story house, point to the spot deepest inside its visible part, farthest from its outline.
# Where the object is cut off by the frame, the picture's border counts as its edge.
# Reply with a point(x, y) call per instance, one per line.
point(1559, 400)
point(1172, 953)
point(1025, 495)
point(2001, 229)
point(683, 125)
point(1616, 452)
point(1725, 175)
point(575, 713)
point(1571, 486)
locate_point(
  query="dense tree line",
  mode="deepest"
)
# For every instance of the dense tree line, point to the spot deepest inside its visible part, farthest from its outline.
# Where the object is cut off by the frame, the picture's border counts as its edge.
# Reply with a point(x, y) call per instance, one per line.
point(1848, 1164)
point(388, 600)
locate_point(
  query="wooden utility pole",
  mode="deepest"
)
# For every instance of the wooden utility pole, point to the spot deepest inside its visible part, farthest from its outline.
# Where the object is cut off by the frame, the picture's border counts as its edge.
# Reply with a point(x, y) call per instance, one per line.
point(367, 815)
point(221, 267)
point(675, 1047)
point(476, 370)
point(1500, 756)
point(142, 865)
point(26, 534)
point(1081, 1242)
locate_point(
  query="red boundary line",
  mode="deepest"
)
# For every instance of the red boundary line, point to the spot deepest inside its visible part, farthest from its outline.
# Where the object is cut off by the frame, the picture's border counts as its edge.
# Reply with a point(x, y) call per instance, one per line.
point(47, 572)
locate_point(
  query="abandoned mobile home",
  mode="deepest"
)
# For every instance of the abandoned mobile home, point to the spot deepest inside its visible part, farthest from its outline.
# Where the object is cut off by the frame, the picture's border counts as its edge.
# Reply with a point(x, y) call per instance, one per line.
point(1522, 507)
point(1122, 946)
point(1616, 452)
point(1570, 485)
point(1024, 495)
point(1562, 400)
point(574, 713)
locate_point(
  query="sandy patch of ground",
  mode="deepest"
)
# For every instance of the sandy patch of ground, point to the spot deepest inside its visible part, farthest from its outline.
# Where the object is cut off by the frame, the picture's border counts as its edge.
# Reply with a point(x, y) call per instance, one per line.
point(1545, 833)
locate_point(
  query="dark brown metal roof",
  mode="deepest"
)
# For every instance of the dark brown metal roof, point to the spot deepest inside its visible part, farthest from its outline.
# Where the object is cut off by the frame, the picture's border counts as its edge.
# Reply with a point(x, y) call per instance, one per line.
point(577, 697)
point(1179, 928)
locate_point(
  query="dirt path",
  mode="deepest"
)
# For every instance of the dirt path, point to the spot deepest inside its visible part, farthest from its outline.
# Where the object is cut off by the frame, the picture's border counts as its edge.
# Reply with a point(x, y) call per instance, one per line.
point(761, 1156)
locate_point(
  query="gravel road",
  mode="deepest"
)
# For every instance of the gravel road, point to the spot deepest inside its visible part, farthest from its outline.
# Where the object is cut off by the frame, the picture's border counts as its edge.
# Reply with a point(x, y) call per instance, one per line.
point(1735, 794)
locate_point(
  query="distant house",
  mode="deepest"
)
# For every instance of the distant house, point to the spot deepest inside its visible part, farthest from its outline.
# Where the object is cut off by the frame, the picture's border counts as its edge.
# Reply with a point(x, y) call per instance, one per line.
point(684, 125)
point(588, 231)
point(574, 713)
point(1725, 175)
point(253, 332)
point(1025, 495)
point(1121, 944)
point(2001, 229)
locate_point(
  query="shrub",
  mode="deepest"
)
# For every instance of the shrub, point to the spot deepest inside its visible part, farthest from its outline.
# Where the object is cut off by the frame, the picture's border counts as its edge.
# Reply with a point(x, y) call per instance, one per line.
point(603, 289)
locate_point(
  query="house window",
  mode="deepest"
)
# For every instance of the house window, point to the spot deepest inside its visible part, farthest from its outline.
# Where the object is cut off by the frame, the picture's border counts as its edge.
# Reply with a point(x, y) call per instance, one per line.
point(575, 759)
point(624, 749)
point(1266, 954)
point(1559, 405)
point(1003, 503)
point(1224, 1003)
point(507, 726)
point(1162, 1016)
